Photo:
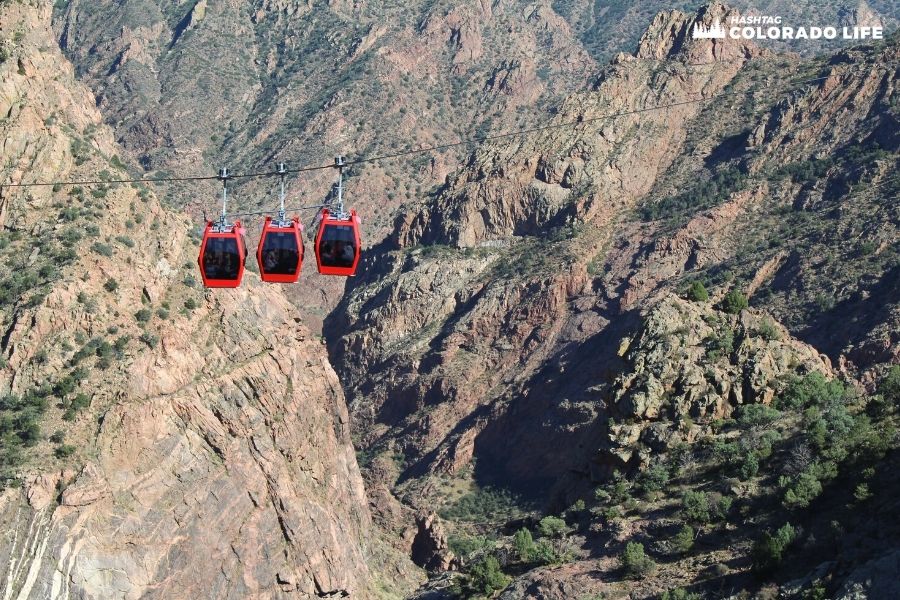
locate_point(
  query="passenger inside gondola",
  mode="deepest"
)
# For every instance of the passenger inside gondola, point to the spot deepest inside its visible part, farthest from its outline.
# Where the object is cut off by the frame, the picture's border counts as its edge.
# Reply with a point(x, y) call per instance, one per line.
point(221, 259)
point(280, 253)
point(338, 246)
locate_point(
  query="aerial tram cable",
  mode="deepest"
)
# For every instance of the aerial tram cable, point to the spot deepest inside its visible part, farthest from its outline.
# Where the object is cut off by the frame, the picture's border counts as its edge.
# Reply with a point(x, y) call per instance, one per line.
point(428, 149)
point(280, 251)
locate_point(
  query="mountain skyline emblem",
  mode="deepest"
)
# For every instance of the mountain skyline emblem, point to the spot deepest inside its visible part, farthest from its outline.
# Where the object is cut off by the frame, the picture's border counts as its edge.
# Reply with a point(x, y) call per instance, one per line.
point(715, 31)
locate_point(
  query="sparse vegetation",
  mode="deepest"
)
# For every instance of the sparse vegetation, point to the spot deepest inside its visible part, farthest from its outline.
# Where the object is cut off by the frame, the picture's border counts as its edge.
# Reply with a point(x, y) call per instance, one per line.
point(683, 541)
point(635, 562)
point(486, 577)
point(697, 292)
point(769, 550)
point(734, 302)
point(706, 193)
point(483, 505)
point(680, 594)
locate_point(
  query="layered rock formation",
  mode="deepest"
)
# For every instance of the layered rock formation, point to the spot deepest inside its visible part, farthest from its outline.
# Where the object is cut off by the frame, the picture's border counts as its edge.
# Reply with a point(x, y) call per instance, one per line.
point(485, 342)
point(213, 456)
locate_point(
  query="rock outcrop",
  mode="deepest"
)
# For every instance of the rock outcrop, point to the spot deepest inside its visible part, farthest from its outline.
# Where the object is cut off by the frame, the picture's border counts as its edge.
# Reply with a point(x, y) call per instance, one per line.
point(430, 549)
point(690, 365)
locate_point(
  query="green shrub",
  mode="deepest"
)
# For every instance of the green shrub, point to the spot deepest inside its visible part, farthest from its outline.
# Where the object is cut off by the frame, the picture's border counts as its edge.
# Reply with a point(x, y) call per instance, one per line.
point(768, 330)
point(42, 356)
point(545, 554)
point(655, 478)
point(121, 343)
point(812, 390)
point(721, 506)
point(64, 386)
point(124, 239)
point(817, 591)
point(64, 451)
point(486, 577)
point(695, 507)
point(611, 513)
point(80, 401)
point(102, 249)
point(162, 313)
point(111, 285)
point(29, 429)
point(58, 436)
point(615, 492)
point(734, 302)
point(523, 542)
point(104, 349)
point(552, 527)
point(726, 453)
point(143, 315)
point(702, 508)
point(890, 385)
point(768, 552)
point(757, 415)
point(578, 506)
point(697, 292)
point(749, 466)
point(803, 490)
point(683, 541)
point(721, 345)
point(465, 547)
point(862, 493)
point(635, 562)
point(190, 304)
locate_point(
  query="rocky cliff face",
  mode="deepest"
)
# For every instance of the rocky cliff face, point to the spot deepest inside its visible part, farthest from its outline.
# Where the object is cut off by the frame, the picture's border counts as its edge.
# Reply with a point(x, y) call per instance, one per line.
point(452, 331)
point(202, 443)
point(484, 345)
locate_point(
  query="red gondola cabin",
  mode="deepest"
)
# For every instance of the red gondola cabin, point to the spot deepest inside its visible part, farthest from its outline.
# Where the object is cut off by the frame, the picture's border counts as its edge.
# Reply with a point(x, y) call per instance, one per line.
point(337, 244)
point(280, 251)
point(222, 254)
